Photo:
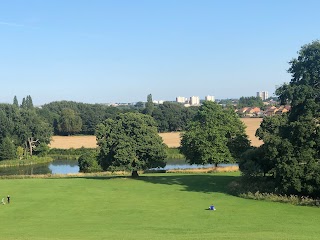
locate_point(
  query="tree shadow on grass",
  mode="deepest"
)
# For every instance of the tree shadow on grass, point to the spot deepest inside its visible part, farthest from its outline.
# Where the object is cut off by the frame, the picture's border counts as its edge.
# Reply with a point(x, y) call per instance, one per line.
point(206, 183)
point(194, 182)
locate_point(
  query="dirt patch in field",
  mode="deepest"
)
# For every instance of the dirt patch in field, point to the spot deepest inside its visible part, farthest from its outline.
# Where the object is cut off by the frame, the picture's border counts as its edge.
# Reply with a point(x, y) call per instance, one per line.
point(172, 139)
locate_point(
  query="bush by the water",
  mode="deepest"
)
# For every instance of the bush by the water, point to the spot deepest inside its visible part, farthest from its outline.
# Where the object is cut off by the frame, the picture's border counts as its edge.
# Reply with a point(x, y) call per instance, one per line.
point(88, 163)
point(26, 161)
point(174, 153)
point(70, 154)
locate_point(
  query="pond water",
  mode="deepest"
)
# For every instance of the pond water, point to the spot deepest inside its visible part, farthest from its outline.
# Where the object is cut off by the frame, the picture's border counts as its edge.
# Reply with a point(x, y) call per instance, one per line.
point(71, 166)
point(55, 167)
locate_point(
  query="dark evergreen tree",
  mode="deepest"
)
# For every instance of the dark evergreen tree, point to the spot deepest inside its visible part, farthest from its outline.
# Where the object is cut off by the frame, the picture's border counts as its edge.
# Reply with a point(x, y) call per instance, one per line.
point(15, 101)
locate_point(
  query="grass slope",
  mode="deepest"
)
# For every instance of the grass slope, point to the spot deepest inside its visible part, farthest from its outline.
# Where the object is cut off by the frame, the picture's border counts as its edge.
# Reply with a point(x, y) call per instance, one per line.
point(156, 206)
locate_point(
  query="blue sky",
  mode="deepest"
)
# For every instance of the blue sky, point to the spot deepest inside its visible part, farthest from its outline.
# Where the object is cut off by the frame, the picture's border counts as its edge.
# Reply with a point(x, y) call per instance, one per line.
point(120, 51)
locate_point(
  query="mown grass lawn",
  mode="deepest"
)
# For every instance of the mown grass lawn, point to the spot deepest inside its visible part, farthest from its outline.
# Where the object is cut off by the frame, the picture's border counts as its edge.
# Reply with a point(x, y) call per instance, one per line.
point(156, 206)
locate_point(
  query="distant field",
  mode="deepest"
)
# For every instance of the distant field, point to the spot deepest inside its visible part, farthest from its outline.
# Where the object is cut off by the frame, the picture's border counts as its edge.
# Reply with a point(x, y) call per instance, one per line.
point(252, 125)
point(172, 139)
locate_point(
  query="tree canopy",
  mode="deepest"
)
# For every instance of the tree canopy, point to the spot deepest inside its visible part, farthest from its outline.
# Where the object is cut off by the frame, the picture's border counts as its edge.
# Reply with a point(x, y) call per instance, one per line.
point(292, 141)
point(130, 142)
point(250, 102)
point(22, 127)
point(69, 122)
point(215, 135)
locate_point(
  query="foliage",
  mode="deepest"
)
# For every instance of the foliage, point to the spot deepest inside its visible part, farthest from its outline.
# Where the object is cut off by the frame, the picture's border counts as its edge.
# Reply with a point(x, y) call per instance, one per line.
point(27, 103)
point(291, 149)
point(15, 101)
point(250, 102)
point(7, 149)
point(88, 163)
point(20, 152)
point(216, 135)
point(264, 189)
point(28, 161)
point(174, 153)
point(42, 150)
point(90, 114)
point(69, 122)
point(130, 142)
point(171, 117)
point(71, 153)
point(23, 126)
point(149, 106)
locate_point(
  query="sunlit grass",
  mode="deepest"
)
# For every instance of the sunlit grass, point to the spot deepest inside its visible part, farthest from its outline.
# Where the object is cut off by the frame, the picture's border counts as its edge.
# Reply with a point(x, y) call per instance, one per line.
point(154, 206)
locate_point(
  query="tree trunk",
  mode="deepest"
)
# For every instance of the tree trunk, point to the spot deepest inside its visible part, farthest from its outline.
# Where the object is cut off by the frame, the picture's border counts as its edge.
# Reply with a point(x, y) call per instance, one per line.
point(135, 174)
point(31, 143)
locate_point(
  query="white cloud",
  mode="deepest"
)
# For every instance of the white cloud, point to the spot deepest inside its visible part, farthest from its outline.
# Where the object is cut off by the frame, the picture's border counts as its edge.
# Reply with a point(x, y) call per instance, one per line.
point(11, 24)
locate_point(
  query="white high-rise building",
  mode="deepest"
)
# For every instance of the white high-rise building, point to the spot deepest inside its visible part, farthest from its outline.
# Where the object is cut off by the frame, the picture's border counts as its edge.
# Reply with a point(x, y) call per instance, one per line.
point(181, 99)
point(209, 98)
point(263, 95)
point(194, 100)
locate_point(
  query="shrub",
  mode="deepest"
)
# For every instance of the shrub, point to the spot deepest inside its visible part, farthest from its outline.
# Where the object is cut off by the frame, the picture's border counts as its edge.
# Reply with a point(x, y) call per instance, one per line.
point(7, 149)
point(88, 163)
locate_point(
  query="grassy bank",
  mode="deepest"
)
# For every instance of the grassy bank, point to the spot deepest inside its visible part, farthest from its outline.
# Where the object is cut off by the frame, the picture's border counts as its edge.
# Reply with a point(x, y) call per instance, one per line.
point(155, 206)
point(24, 162)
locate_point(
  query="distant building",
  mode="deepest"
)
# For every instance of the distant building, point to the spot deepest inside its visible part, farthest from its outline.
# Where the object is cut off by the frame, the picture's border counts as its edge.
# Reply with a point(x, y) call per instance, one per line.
point(263, 95)
point(194, 100)
point(209, 98)
point(158, 101)
point(181, 99)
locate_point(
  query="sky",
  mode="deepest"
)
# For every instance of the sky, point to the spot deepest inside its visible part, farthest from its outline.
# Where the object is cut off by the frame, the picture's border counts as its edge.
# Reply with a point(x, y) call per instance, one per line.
point(111, 51)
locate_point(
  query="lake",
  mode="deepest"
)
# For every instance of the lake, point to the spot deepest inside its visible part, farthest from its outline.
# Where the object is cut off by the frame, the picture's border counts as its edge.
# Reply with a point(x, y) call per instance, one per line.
point(71, 166)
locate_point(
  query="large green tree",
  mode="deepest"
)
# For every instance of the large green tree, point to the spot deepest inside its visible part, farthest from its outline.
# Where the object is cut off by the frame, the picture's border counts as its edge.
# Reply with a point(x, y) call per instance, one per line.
point(292, 141)
point(215, 135)
point(130, 142)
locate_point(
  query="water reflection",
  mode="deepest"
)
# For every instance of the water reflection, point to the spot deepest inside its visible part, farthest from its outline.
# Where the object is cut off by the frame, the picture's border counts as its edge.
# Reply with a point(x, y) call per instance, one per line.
point(71, 166)
point(26, 170)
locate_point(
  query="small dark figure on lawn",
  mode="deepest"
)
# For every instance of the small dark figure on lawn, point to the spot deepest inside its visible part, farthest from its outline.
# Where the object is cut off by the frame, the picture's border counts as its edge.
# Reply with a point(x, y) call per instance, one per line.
point(212, 207)
point(8, 199)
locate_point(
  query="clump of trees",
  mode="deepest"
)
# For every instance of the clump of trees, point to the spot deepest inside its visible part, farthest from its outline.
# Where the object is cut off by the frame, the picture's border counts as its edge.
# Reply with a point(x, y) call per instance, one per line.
point(69, 118)
point(250, 102)
point(172, 116)
point(22, 128)
point(290, 155)
point(216, 135)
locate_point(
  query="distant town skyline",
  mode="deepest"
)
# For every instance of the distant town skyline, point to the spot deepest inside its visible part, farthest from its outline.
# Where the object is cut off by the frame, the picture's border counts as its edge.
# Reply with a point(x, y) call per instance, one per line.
point(121, 51)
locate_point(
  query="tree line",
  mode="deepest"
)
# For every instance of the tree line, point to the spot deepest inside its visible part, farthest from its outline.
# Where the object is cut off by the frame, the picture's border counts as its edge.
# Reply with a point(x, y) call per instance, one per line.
point(68, 117)
point(23, 132)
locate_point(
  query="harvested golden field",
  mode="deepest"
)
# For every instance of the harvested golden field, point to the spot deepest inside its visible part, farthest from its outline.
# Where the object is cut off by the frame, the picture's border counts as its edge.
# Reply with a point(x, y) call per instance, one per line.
point(66, 142)
point(252, 125)
point(172, 139)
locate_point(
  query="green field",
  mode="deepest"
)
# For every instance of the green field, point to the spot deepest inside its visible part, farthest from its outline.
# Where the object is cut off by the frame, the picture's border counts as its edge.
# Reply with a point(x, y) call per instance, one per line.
point(156, 206)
